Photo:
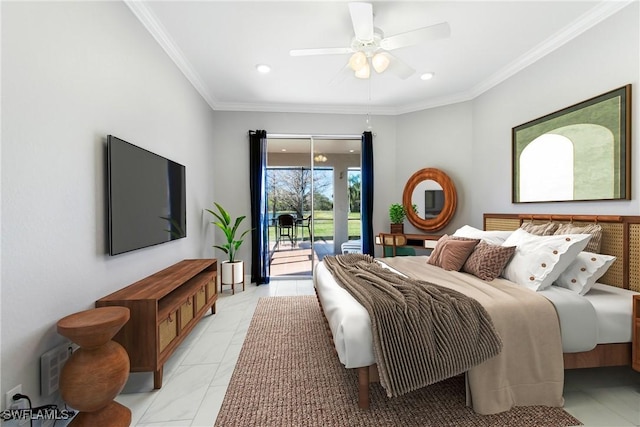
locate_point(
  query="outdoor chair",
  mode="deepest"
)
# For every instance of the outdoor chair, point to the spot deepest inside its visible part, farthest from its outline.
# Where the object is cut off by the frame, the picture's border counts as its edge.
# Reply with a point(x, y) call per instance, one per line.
point(306, 223)
point(286, 229)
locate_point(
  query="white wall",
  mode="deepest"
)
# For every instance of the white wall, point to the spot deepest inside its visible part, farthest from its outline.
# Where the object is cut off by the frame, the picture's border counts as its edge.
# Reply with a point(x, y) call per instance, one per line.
point(437, 138)
point(602, 59)
point(72, 73)
point(471, 141)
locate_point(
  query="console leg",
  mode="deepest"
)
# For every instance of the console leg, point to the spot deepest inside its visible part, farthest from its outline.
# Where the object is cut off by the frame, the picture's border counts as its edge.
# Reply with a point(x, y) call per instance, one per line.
point(157, 378)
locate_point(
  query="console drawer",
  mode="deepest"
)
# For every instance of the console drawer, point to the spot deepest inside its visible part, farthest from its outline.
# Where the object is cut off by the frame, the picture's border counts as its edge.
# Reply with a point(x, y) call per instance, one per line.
point(167, 331)
point(186, 312)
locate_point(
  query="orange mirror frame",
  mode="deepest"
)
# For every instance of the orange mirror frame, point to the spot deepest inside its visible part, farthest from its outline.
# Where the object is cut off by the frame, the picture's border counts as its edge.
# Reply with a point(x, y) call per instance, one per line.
point(450, 199)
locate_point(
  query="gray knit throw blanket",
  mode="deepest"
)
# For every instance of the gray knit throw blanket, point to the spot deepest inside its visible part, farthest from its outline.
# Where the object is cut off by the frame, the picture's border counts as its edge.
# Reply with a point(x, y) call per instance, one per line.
point(422, 333)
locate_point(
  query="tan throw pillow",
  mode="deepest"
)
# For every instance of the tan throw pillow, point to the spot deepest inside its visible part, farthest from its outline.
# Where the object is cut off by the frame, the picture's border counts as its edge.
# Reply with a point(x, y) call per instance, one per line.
point(595, 230)
point(487, 261)
point(455, 253)
point(546, 229)
point(434, 258)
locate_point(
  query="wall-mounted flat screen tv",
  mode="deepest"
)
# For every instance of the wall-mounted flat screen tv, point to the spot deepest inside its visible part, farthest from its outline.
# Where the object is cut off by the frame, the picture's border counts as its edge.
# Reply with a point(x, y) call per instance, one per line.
point(147, 201)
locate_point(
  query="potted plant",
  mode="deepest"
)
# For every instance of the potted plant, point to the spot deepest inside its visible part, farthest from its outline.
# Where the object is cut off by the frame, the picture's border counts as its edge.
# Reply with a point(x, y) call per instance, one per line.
point(232, 270)
point(396, 216)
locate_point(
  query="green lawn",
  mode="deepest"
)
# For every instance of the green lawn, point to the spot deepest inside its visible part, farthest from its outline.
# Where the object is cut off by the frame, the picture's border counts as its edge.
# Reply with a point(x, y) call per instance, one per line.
point(324, 228)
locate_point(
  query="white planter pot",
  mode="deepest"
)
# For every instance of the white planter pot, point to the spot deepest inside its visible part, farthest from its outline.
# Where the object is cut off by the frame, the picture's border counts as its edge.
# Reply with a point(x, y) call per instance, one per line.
point(232, 273)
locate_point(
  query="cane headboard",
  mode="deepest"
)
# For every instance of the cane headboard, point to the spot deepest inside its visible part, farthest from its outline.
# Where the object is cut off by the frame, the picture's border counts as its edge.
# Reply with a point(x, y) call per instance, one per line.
point(620, 238)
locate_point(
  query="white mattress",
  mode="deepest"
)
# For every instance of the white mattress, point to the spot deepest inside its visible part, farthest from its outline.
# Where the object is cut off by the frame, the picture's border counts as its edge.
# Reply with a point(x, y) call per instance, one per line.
point(602, 316)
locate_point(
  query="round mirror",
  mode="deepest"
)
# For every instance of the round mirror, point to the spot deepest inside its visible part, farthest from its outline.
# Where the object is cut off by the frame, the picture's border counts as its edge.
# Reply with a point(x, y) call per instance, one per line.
point(433, 194)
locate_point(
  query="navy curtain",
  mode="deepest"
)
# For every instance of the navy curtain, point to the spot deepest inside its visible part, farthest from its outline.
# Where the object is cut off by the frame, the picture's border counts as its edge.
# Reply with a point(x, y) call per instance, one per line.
point(366, 212)
point(257, 180)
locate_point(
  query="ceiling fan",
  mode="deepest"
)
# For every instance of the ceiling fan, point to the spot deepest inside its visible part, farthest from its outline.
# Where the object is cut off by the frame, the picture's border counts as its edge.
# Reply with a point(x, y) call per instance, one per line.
point(369, 47)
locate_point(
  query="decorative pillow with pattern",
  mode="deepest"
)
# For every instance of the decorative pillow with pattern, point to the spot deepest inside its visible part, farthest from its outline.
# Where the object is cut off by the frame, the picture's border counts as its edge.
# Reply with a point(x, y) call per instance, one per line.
point(487, 261)
point(584, 271)
point(546, 229)
point(594, 229)
point(539, 260)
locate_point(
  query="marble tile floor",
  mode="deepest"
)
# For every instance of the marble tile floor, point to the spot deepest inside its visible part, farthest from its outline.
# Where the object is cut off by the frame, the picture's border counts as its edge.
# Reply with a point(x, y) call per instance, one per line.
point(197, 375)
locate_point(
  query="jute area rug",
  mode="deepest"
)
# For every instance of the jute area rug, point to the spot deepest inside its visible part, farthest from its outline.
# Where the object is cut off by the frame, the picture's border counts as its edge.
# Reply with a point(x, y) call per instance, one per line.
point(288, 374)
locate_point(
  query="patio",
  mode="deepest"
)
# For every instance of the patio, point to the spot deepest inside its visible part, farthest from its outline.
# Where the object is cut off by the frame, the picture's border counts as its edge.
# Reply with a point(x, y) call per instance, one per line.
point(295, 260)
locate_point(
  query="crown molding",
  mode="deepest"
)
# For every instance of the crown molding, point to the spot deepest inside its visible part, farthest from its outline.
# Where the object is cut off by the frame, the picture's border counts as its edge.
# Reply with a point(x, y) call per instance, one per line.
point(583, 23)
point(589, 19)
point(303, 108)
point(159, 33)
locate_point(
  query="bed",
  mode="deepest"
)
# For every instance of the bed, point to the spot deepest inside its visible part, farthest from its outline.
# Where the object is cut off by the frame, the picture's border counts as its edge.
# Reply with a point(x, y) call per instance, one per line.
point(595, 329)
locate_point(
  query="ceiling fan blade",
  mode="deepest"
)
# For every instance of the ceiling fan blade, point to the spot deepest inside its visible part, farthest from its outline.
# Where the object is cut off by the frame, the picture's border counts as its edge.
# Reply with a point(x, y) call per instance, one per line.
point(362, 19)
point(421, 35)
point(398, 67)
point(321, 51)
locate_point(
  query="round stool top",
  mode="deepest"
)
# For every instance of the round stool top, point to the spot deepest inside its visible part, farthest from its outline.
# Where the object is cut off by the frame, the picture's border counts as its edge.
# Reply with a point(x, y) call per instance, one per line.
point(93, 327)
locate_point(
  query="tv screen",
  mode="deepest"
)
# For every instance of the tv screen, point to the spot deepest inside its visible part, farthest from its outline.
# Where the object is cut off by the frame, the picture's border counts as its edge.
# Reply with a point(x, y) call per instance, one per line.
point(433, 202)
point(147, 202)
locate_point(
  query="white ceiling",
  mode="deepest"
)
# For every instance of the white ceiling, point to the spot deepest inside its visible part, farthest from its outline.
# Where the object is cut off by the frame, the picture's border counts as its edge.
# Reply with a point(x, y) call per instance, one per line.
point(217, 45)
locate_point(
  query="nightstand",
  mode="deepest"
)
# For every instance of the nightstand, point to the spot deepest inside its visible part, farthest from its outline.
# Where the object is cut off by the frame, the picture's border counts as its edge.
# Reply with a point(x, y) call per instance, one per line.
point(635, 339)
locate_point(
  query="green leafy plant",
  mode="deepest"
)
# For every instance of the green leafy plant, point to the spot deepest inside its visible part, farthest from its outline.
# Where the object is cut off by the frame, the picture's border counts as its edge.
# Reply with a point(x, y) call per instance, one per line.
point(224, 223)
point(396, 213)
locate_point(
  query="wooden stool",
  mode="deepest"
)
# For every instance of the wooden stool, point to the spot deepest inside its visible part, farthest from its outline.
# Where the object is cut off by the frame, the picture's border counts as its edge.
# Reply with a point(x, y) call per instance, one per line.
point(96, 372)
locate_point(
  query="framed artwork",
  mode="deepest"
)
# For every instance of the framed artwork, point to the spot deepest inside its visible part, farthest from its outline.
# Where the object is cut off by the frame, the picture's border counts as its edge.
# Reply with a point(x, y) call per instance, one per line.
point(582, 152)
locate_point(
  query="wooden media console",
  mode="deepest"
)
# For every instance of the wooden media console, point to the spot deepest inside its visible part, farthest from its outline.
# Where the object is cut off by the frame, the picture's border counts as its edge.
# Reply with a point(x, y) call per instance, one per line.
point(164, 308)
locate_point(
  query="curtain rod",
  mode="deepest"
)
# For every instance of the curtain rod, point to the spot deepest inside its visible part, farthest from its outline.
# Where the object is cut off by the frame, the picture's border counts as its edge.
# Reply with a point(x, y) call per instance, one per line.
point(305, 136)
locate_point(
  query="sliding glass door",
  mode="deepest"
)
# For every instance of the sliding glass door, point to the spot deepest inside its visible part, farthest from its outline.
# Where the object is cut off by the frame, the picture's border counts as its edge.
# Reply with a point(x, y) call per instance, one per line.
point(310, 199)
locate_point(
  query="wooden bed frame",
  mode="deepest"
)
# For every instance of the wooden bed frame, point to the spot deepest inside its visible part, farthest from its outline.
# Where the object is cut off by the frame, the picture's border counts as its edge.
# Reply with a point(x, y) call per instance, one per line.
point(620, 237)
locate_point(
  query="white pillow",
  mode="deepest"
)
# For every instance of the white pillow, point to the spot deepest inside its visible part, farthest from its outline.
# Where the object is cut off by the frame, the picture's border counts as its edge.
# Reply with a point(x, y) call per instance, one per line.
point(539, 260)
point(492, 237)
point(584, 271)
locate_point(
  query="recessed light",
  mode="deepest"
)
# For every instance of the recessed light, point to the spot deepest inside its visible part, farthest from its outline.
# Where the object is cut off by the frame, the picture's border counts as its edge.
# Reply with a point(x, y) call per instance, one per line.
point(427, 76)
point(263, 68)
point(283, 150)
point(351, 151)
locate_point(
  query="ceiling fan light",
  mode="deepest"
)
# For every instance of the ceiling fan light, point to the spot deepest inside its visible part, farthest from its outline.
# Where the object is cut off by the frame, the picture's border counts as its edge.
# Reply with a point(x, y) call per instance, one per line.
point(358, 61)
point(364, 72)
point(380, 62)
point(320, 158)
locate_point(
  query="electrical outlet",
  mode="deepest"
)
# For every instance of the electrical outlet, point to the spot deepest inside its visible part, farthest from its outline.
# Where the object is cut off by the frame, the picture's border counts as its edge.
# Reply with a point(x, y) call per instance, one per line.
point(9, 403)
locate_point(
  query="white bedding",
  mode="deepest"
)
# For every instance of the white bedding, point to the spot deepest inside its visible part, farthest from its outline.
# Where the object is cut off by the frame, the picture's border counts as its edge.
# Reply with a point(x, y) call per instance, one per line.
point(602, 316)
point(348, 320)
point(615, 310)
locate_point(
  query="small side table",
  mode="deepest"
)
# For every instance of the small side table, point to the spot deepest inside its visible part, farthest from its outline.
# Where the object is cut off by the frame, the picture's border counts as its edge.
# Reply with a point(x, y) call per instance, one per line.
point(96, 372)
point(635, 338)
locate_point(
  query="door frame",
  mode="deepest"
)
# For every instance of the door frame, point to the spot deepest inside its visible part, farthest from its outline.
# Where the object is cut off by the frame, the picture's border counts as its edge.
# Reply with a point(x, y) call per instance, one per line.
point(312, 138)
